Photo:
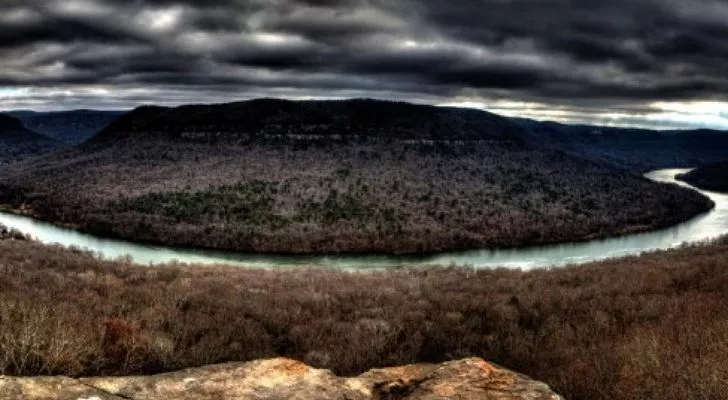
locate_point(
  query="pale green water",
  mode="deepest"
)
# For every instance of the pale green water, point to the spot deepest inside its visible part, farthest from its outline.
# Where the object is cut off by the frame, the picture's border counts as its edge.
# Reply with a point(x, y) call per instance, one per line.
point(702, 227)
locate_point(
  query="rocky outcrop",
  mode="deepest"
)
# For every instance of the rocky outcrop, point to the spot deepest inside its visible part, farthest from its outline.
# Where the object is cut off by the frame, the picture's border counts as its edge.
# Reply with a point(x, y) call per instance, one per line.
point(282, 378)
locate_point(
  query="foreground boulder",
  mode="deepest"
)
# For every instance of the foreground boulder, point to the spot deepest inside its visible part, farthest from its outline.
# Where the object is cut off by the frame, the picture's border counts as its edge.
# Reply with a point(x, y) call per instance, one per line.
point(282, 378)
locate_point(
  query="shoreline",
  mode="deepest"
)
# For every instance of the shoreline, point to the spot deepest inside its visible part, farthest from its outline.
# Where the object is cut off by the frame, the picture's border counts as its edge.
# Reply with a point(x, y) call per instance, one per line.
point(627, 231)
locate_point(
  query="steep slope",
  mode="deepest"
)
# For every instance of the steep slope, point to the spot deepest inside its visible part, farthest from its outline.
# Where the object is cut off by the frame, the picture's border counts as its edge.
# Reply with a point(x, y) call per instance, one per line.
point(335, 176)
point(70, 127)
point(709, 177)
point(17, 142)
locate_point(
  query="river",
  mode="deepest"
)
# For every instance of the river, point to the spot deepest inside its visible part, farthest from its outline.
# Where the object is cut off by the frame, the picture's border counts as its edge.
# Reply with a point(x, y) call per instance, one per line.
point(702, 227)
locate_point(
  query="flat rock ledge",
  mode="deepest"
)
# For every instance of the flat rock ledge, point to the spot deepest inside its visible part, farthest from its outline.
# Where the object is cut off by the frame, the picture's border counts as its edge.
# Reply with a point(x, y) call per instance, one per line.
point(282, 378)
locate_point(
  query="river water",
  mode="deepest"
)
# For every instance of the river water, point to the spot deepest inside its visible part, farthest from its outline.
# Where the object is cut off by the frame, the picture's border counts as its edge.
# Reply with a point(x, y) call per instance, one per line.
point(702, 227)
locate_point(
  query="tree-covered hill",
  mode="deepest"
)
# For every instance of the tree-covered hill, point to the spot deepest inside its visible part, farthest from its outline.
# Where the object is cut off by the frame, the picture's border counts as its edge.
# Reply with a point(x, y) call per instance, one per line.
point(709, 177)
point(17, 142)
point(335, 176)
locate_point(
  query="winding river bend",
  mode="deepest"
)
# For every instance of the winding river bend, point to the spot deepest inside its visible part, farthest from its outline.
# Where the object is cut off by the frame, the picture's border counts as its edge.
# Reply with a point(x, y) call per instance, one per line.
point(702, 227)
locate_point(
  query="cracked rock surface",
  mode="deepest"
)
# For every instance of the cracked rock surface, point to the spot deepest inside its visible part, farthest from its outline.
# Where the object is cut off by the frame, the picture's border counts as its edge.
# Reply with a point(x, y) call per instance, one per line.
point(282, 378)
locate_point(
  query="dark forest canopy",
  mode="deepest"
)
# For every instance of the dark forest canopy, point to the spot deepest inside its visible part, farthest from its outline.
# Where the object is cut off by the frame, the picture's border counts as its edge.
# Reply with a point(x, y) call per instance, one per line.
point(16, 141)
point(69, 127)
point(350, 119)
point(709, 177)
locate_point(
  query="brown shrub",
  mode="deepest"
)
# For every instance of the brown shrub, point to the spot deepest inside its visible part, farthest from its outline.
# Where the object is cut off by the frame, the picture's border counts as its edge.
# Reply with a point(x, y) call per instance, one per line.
point(648, 327)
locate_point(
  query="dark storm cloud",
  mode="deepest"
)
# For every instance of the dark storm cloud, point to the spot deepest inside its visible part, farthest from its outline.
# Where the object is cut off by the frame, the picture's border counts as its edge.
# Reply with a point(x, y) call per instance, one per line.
point(560, 52)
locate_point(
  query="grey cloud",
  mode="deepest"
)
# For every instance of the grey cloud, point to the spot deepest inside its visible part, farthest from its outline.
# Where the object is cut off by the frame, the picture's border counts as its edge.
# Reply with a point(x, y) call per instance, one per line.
point(596, 53)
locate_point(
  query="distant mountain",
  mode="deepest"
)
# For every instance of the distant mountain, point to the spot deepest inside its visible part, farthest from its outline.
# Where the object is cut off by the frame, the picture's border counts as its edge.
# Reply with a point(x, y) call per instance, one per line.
point(71, 127)
point(709, 177)
point(269, 119)
point(637, 149)
point(16, 141)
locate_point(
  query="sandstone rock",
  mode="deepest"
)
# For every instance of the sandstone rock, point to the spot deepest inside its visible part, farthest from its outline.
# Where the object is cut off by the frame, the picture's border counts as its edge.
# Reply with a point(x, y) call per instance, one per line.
point(49, 388)
point(282, 378)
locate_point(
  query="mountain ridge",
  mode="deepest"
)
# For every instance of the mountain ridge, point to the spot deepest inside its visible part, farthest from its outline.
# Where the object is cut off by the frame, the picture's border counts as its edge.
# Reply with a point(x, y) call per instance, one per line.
point(274, 118)
point(636, 149)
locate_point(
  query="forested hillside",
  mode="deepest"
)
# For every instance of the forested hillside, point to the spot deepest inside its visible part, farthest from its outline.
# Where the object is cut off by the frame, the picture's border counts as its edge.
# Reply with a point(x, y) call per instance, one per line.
point(709, 177)
point(17, 142)
point(639, 150)
point(345, 176)
point(68, 127)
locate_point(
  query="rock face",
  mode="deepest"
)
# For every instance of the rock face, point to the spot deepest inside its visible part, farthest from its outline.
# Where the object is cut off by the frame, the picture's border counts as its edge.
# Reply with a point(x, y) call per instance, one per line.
point(282, 378)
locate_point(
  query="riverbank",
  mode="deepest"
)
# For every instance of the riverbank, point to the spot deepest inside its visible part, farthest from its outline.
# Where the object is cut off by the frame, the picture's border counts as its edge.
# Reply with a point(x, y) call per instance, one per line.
point(644, 327)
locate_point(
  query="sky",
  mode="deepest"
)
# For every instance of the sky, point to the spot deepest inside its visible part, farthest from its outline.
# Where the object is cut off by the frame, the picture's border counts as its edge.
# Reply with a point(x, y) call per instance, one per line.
point(647, 63)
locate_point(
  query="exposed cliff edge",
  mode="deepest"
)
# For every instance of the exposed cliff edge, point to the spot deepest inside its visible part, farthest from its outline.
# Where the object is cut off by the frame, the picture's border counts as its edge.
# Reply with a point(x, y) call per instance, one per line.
point(282, 378)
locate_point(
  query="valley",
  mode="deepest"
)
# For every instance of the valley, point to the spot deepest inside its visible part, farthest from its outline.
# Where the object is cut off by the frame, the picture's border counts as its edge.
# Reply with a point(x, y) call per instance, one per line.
point(380, 181)
point(363, 200)
point(356, 176)
point(67, 127)
point(17, 142)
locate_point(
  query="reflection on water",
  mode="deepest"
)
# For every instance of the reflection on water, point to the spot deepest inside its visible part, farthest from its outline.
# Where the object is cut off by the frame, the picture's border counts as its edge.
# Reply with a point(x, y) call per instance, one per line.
point(706, 226)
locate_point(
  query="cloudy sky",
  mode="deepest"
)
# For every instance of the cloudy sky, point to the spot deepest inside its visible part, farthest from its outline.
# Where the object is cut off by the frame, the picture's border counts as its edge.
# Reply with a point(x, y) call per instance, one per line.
point(658, 63)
